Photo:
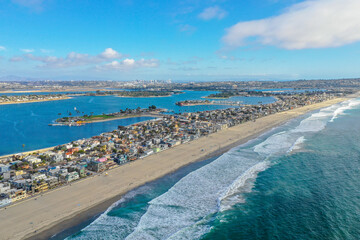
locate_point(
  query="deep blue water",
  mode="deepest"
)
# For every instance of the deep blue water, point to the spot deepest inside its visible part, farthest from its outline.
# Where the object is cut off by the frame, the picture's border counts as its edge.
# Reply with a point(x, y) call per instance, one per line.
point(299, 181)
point(28, 123)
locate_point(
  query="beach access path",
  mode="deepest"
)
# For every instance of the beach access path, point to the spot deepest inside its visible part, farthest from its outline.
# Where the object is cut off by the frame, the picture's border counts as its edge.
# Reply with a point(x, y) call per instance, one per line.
point(49, 213)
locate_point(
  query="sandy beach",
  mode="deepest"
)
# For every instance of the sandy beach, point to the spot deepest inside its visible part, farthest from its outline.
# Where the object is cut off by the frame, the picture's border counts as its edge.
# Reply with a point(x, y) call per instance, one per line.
point(34, 101)
point(43, 216)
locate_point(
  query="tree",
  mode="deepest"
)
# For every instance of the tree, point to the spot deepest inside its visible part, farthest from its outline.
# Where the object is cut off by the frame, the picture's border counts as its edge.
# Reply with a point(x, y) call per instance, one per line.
point(152, 107)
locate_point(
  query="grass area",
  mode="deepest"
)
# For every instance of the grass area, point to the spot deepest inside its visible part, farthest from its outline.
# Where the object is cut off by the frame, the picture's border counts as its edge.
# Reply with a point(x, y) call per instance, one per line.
point(99, 117)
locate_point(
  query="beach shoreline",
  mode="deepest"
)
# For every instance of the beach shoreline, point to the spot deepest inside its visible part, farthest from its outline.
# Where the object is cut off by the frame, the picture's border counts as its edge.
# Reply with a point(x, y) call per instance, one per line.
point(41, 150)
point(35, 101)
point(93, 212)
point(29, 219)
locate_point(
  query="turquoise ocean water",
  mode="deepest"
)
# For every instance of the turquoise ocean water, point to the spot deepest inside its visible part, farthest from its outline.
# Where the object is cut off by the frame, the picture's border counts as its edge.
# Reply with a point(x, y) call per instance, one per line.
point(298, 181)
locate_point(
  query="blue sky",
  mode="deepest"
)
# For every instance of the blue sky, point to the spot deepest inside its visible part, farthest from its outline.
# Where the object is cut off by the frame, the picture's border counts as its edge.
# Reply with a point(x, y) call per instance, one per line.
point(191, 40)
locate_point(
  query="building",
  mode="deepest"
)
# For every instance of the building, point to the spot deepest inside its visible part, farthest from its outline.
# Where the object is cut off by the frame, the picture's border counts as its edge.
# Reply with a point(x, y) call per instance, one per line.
point(72, 176)
point(40, 187)
point(4, 187)
point(17, 195)
point(4, 168)
point(96, 166)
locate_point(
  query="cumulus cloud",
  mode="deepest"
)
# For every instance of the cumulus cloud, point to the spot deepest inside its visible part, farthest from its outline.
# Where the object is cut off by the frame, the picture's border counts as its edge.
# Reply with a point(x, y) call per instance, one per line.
point(310, 24)
point(2, 48)
point(110, 53)
point(128, 64)
point(212, 12)
point(27, 50)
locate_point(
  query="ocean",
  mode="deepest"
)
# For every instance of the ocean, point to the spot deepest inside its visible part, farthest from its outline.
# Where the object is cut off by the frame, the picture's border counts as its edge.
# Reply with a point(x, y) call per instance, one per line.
point(299, 181)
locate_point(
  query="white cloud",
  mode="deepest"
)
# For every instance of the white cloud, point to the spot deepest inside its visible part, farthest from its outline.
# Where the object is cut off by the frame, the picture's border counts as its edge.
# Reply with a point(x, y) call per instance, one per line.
point(310, 24)
point(2, 48)
point(212, 12)
point(129, 63)
point(27, 50)
point(110, 53)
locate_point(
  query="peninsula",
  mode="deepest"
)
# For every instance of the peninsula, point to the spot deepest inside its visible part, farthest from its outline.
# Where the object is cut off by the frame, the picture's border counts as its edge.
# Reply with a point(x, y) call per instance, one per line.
point(31, 176)
point(48, 212)
point(151, 111)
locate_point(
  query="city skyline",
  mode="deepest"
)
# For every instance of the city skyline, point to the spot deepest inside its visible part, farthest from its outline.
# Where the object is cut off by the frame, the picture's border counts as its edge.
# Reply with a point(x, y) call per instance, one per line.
point(182, 40)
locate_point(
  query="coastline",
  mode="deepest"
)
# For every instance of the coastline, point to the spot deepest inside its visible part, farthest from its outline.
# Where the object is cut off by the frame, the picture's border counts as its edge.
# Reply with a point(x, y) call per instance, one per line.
point(34, 101)
point(58, 206)
point(118, 118)
point(41, 150)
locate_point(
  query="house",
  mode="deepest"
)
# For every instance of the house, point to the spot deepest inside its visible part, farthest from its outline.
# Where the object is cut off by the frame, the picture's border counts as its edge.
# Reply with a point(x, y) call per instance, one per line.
point(72, 176)
point(71, 151)
point(121, 159)
point(17, 195)
point(38, 177)
point(4, 168)
point(96, 166)
point(40, 187)
point(4, 187)
point(57, 157)
point(32, 159)
point(19, 173)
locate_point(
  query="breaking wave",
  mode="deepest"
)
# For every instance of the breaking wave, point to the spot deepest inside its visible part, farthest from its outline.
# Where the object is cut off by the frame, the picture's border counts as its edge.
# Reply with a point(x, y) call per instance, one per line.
point(186, 209)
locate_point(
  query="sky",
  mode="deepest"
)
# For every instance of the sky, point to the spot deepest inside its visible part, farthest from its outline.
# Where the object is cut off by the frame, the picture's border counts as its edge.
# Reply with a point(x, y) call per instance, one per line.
point(184, 40)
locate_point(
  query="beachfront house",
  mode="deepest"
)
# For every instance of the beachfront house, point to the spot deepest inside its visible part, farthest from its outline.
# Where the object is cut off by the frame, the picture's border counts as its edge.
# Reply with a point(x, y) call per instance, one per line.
point(96, 166)
point(72, 176)
point(18, 194)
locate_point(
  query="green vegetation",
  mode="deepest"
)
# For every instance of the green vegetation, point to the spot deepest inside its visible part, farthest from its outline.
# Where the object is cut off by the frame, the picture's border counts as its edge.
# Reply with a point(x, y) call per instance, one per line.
point(222, 95)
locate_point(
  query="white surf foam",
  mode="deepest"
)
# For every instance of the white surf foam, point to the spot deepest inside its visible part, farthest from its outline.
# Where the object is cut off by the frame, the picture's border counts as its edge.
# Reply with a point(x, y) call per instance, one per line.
point(191, 199)
point(185, 209)
point(351, 104)
point(297, 145)
point(231, 195)
point(113, 227)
